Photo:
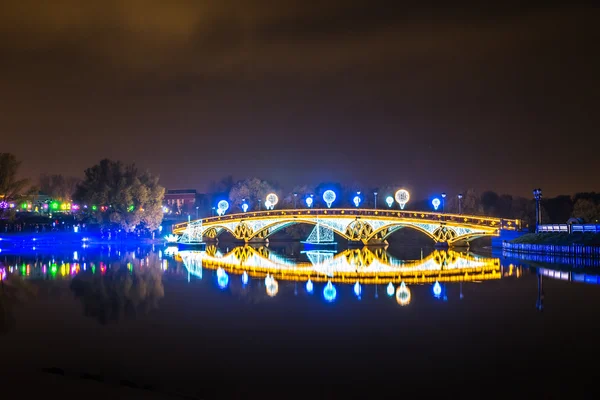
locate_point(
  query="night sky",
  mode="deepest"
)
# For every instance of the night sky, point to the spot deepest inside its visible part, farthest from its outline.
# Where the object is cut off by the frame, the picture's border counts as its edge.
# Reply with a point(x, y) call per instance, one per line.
point(432, 98)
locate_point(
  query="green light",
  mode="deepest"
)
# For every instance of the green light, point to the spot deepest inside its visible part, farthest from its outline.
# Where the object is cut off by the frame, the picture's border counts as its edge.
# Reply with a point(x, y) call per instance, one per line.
point(93, 267)
point(130, 208)
point(54, 205)
point(24, 206)
point(53, 269)
point(94, 208)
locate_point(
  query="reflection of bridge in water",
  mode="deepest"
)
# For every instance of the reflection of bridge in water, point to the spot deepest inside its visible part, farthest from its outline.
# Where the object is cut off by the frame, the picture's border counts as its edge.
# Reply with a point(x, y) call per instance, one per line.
point(365, 265)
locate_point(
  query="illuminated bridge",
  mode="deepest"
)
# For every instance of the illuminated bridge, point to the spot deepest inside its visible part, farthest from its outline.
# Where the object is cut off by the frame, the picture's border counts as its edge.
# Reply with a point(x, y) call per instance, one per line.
point(363, 265)
point(356, 225)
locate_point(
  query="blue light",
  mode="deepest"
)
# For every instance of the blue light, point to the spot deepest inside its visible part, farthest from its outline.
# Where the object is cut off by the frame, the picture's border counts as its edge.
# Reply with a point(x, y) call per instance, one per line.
point(329, 197)
point(245, 207)
point(357, 289)
point(244, 278)
point(309, 286)
point(222, 278)
point(390, 201)
point(309, 202)
point(436, 203)
point(390, 289)
point(356, 201)
point(437, 289)
point(329, 293)
point(222, 207)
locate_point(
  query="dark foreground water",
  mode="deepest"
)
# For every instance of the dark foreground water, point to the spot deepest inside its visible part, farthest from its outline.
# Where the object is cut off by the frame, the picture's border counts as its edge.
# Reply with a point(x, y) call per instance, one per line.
point(100, 319)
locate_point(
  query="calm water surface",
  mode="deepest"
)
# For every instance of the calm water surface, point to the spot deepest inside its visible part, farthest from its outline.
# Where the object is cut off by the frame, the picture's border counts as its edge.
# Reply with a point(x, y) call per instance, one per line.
point(188, 321)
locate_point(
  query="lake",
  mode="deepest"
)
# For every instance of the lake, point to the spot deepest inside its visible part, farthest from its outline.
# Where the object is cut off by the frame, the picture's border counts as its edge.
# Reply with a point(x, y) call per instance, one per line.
point(242, 321)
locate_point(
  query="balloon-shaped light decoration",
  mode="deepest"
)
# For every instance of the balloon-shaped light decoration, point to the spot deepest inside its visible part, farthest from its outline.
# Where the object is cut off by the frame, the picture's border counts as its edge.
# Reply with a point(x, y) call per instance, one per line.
point(390, 289)
point(402, 197)
point(309, 286)
point(437, 289)
point(222, 207)
point(309, 202)
point(356, 200)
point(329, 292)
point(272, 199)
point(244, 278)
point(329, 197)
point(436, 203)
point(390, 201)
point(272, 287)
point(267, 205)
point(245, 207)
point(357, 289)
point(403, 294)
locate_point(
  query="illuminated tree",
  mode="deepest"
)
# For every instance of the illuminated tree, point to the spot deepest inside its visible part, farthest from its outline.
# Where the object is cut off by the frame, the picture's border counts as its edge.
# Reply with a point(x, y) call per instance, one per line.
point(253, 190)
point(11, 187)
point(119, 194)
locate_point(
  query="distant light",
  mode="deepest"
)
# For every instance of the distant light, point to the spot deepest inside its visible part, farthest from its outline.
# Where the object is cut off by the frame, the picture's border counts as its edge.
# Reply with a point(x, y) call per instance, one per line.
point(329, 197)
point(245, 207)
point(244, 278)
point(437, 289)
point(309, 286)
point(329, 292)
point(357, 289)
point(356, 200)
point(75, 229)
point(94, 208)
point(436, 203)
point(390, 289)
point(309, 201)
point(390, 201)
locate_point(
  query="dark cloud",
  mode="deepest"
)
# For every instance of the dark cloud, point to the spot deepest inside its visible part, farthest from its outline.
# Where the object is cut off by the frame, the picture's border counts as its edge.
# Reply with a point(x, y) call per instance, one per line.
point(351, 86)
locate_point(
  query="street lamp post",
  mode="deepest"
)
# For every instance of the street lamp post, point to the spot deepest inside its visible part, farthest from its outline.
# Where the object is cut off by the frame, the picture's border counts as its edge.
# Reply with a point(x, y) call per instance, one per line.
point(375, 205)
point(212, 212)
point(537, 195)
point(460, 196)
point(443, 202)
point(197, 212)
point(295, 200)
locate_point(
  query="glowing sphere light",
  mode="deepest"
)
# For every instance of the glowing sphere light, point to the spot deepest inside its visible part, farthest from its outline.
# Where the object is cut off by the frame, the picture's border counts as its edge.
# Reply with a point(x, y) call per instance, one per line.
point(245, 207)
point(390, 201)
point(402, 197)
point(222, 207)
point(329, 292)
point(329, 197)
point(272, 199)
point(390, 289)
point(403, 294)
point(309, 286)
point(436, 203)
point(437, 289)
point(356, 200)
point(309, 202)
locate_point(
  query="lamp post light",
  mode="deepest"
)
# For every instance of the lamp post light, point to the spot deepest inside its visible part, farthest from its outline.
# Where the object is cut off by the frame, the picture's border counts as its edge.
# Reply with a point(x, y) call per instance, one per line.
point(212, 212)
point(295, 200)
point(460, 196)
point(537, 195)
point(197, 212)
point(309, 201)
point(443, 201)
point(356, 199)
point(375, 204)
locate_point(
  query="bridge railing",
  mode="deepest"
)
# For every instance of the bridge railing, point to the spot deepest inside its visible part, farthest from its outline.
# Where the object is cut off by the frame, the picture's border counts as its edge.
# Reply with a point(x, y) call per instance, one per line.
point(500, 223)
point(569, 228)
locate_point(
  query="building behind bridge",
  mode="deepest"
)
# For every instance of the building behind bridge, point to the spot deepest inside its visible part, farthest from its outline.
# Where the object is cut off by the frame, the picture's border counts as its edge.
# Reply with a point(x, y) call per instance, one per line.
point(184, 202)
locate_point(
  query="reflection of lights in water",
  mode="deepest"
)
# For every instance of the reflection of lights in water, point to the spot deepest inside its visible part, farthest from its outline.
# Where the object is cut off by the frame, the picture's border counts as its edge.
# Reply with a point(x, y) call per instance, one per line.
point(272, 287)
point(357, 289)
point(2, 274)
point(329, 293)
point(403, 294)
point(390, 289)
point(171, 250)
point(437, 289)
point(245, 278)
point(309, 286)
point(222, 278)
point(268, 280)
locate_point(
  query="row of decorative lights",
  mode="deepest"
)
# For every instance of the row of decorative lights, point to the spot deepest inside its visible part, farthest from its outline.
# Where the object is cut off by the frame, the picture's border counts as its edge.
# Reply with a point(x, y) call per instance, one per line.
point(402, 197)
